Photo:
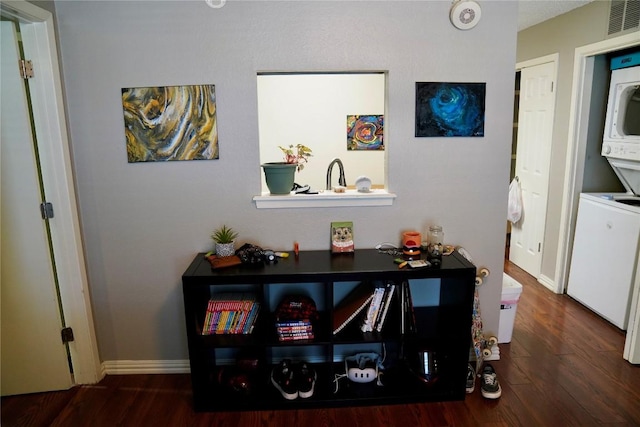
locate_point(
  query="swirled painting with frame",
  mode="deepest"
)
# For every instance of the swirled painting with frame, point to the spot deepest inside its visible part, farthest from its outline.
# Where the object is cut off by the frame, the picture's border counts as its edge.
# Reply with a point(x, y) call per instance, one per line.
point(170, 123)
point(450, 109)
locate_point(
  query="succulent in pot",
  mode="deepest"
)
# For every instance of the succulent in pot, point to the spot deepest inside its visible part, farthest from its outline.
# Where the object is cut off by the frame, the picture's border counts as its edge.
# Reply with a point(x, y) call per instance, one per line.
point(224, 238)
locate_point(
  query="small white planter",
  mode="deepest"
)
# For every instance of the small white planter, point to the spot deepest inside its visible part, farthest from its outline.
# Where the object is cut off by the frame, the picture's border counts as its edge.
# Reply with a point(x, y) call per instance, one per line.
point(225, 249)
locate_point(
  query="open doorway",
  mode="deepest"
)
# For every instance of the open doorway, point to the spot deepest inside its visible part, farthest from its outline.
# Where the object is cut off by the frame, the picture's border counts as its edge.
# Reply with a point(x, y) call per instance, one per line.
point(49, 124)
point(514, 148)
point(533, 130)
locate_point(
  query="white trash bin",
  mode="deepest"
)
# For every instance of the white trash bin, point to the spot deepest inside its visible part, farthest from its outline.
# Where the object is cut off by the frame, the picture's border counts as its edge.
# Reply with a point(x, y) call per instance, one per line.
point(511, 291)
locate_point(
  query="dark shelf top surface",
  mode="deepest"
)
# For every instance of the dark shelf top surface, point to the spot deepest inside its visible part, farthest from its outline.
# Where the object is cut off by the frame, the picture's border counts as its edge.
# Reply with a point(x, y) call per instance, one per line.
point(322, 265)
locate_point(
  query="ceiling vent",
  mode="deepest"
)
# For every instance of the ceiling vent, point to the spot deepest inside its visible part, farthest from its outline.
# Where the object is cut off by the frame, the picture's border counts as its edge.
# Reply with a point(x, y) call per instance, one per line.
point(624, 16)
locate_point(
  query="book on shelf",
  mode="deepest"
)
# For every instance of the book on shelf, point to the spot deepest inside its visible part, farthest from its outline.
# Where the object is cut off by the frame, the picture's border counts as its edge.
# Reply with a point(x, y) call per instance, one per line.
point(295, 336)
point(351, 305)
point(373, 310)
point(283, 329)
point(251, 320)
point(386, 303)
point(293, 323)
point(408, 318)
point(230, 313)
point(294, 317)
point(379, 307)
point(373, 301)
point(288, 330)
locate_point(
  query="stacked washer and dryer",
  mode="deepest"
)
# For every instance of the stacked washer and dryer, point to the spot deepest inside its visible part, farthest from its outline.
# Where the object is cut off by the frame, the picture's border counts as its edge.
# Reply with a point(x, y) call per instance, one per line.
point(605, 264)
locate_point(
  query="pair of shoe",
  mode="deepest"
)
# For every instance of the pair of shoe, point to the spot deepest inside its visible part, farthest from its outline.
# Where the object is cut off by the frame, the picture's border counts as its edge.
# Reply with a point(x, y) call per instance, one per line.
point(294, 380)
point(490, 387)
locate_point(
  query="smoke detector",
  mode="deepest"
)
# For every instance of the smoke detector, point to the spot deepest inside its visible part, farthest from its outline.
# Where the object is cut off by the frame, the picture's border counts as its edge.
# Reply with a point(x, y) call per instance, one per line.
point(465, 14)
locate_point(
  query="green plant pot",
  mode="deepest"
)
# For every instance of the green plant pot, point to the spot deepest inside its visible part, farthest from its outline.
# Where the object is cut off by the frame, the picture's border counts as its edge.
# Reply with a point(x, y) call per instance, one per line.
point(279, 176)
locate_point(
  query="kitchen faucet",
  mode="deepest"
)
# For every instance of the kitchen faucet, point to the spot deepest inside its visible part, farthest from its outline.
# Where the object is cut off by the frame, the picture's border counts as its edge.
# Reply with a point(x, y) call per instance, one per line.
point(341, 180)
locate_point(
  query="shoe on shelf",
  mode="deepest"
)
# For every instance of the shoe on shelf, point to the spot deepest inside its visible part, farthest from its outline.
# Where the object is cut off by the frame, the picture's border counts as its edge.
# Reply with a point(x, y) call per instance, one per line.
point(490, 385)
point(471, 378)
point(282, 378)
point(306, 379)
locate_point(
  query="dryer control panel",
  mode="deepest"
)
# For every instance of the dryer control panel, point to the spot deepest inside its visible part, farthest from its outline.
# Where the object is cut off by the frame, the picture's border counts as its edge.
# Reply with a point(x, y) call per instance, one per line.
point(621, 150)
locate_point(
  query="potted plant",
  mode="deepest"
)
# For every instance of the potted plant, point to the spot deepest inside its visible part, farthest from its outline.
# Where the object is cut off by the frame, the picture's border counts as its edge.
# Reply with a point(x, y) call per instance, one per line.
point(280, 176)
point(224, 238)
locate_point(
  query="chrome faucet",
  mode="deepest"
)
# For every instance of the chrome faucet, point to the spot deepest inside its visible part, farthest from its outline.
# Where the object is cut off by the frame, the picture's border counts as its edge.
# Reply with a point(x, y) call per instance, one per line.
point(341, 180)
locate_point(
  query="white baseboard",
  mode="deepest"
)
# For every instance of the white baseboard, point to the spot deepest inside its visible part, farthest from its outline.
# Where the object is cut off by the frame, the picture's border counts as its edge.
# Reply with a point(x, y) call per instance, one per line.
point(128, 367)
point(548, 283)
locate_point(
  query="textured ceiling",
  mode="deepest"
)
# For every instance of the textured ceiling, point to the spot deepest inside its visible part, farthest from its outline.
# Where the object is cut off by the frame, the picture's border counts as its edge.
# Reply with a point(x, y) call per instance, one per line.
point(532, 12)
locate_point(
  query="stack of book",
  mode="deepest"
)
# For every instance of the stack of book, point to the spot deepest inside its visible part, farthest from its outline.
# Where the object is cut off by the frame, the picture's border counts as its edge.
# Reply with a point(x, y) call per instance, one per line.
point(231, 313)
point(374, 301)
point(378, 308)
point(291, 330)
point(294, 318)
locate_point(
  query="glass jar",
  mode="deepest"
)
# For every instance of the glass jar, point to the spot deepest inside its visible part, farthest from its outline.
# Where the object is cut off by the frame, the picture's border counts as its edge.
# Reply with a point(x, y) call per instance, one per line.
point(435, 244)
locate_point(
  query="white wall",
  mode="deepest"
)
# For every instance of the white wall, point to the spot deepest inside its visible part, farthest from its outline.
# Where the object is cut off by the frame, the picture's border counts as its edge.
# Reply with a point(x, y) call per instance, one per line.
point(144, 222)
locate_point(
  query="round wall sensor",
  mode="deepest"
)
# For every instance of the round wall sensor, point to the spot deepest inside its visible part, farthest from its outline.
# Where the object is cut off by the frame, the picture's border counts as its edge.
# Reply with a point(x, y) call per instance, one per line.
point(465, 15)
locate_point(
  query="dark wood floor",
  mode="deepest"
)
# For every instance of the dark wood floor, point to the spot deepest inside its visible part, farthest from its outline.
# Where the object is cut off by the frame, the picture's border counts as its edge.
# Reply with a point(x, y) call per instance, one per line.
point(563, 367)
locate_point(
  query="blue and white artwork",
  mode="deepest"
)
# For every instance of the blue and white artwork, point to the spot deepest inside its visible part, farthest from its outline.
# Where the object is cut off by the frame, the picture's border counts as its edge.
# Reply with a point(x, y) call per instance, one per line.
point(450, 109)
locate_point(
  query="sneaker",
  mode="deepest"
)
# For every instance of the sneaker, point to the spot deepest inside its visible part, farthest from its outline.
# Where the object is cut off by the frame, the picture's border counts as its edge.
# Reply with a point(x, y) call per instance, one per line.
point(282, 378)
point(490, 385)
point(471, 378)
point(306, 378)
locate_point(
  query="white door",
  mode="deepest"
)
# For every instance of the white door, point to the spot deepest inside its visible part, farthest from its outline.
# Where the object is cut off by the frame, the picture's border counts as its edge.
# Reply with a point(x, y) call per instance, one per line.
point(533, 156)
point(34, 358)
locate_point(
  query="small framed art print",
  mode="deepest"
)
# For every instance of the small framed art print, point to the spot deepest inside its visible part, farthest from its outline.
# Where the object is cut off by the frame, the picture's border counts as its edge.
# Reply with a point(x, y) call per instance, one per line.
point(342, 237)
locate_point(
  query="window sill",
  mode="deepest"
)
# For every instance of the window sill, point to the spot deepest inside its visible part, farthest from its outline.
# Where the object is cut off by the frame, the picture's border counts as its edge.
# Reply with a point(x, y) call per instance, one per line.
point(325, 199)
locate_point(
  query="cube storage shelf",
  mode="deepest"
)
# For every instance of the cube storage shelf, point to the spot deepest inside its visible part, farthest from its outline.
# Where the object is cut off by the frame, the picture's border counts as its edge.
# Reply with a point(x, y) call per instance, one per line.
point(442, 329)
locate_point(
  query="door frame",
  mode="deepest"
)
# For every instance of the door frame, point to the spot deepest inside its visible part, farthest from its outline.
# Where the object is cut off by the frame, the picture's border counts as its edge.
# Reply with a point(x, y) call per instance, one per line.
point(39, 41)
point(552, 58)
point(583, 66)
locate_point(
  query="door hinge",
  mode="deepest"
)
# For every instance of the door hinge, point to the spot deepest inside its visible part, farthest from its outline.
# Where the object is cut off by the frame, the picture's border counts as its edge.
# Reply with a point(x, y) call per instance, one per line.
point(46, 209)
point(67, 335)
point(539, 246)
point(26, 68)
point(551, 86)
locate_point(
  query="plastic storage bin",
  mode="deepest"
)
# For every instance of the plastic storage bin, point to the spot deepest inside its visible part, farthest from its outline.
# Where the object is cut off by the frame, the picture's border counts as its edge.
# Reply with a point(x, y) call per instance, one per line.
point(511, 291)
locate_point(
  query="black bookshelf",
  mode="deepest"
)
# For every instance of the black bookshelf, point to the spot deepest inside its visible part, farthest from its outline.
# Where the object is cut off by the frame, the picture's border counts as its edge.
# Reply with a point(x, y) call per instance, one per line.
point(443, 328)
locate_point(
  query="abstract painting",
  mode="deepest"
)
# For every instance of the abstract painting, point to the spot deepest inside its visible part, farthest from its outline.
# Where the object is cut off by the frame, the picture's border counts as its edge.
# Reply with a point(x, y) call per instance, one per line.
point(170, 123)
point(365, 132)
point(450, 109)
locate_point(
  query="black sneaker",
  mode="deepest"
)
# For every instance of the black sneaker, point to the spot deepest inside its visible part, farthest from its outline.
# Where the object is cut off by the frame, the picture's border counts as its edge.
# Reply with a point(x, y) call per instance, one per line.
point(490, 385)
point(282, 378)
point(306, 378)
point(471, 378)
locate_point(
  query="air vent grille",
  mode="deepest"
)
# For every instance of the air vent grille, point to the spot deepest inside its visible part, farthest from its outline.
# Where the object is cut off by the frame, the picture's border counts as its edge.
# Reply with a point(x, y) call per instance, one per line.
point(632, 15)
point(624, 15)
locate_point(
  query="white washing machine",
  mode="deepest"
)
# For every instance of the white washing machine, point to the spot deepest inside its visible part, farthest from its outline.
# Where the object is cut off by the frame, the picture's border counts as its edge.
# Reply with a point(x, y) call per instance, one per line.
point(605, 254)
